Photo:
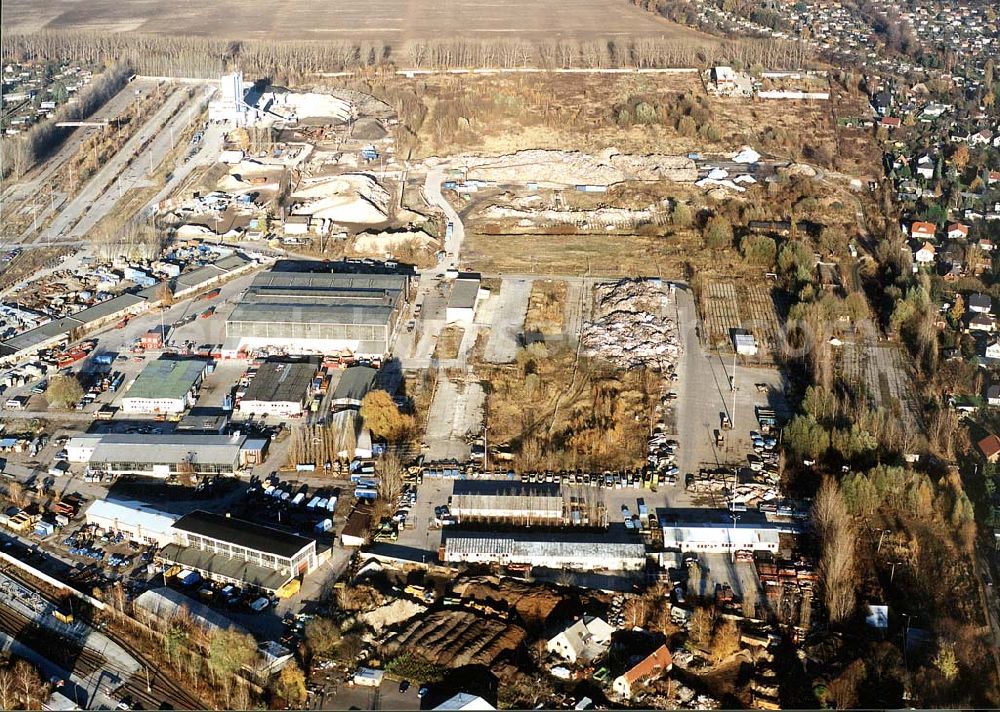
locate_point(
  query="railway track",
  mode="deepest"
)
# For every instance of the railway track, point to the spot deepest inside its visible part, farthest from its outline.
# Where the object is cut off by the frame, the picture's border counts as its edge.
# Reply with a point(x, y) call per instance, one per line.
point(70, 655)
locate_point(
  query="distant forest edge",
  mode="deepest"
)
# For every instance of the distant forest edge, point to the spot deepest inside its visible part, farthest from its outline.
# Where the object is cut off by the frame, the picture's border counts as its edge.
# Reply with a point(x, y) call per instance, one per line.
point(289, 61)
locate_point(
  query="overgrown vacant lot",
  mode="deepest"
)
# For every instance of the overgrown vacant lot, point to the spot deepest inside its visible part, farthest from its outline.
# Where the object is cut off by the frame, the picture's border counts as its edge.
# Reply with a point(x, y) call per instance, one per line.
point(348, 19)
point(637, 113)
point(585, 413)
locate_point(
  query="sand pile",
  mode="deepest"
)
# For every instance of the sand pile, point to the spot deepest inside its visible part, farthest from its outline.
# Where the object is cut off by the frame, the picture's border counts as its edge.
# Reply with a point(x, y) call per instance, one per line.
point(353, 198)
point(382, 243)
point(310, 105)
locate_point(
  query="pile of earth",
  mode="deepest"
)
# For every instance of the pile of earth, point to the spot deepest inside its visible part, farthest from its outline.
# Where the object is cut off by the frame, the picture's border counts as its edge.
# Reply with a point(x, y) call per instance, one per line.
point(533, 603)
point(454, 638)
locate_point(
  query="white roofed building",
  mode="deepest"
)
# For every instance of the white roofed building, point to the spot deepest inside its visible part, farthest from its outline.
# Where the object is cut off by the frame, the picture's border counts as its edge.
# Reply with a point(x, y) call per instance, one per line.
point(579, 552)
point(719, 537)
point(140, 523)
point(465, 701)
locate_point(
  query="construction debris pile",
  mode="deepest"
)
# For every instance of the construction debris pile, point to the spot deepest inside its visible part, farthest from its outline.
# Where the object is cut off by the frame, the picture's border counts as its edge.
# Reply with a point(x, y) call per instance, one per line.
point(631, 326)
point(600, 218)
point(561, 168)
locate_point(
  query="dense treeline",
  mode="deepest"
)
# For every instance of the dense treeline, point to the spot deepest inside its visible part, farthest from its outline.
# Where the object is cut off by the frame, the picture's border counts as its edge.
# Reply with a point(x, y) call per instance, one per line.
point(22, 151)
point(287, 61)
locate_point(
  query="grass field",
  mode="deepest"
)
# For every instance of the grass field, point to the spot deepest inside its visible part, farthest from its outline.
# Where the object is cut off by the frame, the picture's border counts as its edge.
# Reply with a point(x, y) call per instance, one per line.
point(348, 19)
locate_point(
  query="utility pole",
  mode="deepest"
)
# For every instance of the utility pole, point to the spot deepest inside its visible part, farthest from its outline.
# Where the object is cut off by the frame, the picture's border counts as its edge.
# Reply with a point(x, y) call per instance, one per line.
point(732, 538)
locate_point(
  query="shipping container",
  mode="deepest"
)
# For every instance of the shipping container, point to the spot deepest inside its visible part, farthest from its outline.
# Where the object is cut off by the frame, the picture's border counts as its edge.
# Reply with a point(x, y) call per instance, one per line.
point(366, 493)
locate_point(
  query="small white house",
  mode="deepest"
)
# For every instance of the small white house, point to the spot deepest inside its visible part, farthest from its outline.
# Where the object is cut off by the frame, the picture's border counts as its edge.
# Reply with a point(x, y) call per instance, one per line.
point(958, 231)
point(584, 641)
point(654, 665)
point(980, 303)
point(466, 294)
point(993, 395)
point(992, 350)
point(925, 167)
point(981, 322)
point(925, 254)
point(297, 224)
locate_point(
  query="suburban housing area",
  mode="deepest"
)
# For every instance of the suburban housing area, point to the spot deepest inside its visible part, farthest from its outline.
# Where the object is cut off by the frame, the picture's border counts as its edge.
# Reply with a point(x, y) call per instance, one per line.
point(649, 364)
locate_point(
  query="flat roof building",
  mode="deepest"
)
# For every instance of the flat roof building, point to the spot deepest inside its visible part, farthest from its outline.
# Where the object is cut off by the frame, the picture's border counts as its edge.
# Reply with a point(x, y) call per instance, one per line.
point(166, 386)
point(580, 552)
point(211, 421)
point(466, 292)
point(318, 312)
point(238, 551)
point(720, 537)
point(141, 523)
point(279, 388)
point(173, 454)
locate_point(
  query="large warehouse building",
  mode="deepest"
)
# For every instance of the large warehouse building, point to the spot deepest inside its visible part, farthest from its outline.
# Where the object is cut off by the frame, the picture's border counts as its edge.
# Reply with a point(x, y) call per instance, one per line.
point(165, 386)
point(236, 551)
point(279, 388)
point(507, 501)
point(175, 454)
point(314, 313)
point(720, 537)
point(578, 552)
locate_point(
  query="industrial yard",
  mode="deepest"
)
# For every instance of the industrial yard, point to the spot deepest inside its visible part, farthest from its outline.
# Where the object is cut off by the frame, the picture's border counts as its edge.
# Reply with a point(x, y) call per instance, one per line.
point(248, 367)
point(390, 388)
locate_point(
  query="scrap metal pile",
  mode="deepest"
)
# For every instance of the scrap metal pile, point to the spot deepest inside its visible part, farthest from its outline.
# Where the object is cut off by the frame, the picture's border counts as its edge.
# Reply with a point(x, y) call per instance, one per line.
point(631, 327)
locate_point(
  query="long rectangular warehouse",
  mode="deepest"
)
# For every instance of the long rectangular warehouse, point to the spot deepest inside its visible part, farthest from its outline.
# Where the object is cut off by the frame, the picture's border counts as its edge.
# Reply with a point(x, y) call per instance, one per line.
point(309, 313)
point(279, 388)
point(139, 522)
point(507, 501)
point(719, 537)
point(165, 455)
point(579, 552)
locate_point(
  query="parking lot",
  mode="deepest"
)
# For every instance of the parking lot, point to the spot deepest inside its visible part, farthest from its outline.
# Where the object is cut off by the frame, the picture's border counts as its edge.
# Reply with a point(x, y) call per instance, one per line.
point(704, 395)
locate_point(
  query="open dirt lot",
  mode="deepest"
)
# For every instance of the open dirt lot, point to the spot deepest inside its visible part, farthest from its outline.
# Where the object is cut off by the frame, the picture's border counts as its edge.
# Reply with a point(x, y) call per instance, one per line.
point(586, 255)
point(315, 20)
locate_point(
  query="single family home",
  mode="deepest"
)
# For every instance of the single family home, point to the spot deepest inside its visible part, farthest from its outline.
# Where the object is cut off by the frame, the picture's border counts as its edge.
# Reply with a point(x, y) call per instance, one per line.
point(584, 641)
point(922, 231)
point(924, 255)
point(958, 231)
point(655, 664)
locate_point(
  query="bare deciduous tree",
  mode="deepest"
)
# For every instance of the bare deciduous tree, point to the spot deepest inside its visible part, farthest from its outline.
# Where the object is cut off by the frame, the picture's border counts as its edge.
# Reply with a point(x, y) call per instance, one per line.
point(837, 567)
